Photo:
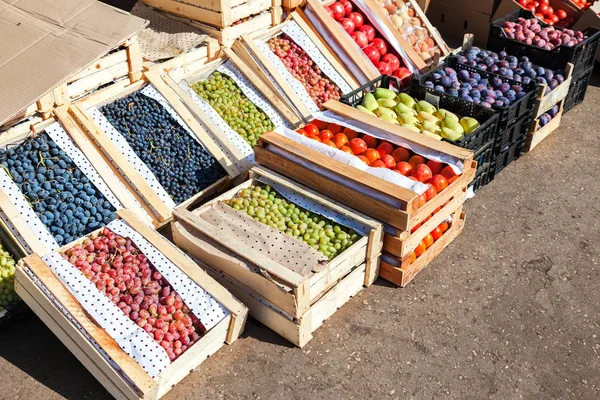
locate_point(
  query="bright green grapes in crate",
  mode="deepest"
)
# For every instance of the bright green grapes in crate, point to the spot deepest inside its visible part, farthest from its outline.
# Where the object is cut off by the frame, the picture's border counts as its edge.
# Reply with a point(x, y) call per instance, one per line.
point(7, 280)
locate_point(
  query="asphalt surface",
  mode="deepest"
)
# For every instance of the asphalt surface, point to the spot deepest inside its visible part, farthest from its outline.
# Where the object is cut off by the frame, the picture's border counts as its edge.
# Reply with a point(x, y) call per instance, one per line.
point(511, 310)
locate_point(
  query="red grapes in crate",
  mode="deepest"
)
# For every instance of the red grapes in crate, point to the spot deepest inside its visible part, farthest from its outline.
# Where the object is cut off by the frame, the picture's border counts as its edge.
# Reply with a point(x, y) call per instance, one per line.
point(304, 69)
point(124, 274)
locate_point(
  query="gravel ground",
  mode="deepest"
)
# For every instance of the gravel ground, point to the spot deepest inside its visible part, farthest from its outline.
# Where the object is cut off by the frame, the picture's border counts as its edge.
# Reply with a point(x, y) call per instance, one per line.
point(509, 311)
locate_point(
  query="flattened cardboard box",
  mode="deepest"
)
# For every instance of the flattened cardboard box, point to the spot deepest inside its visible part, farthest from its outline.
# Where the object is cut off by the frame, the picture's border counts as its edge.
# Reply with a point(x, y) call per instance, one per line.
point(44, 42)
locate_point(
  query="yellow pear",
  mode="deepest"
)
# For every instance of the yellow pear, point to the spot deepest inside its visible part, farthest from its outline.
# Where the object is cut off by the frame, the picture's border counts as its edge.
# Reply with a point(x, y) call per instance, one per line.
point(411, 128)
point(406, 100)
point(385, 111)
point(422, 105)
point(387, 103)
point(469, 124)
point(431, 135)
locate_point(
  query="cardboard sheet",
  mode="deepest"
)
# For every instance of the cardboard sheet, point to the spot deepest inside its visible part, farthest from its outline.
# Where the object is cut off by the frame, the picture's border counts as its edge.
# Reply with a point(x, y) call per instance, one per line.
point(44, 42)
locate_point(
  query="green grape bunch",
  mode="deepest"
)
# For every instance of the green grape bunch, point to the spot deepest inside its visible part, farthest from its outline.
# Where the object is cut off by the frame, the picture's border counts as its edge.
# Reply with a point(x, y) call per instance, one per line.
point(8, 296)
point(225, 96)
point(265, 205)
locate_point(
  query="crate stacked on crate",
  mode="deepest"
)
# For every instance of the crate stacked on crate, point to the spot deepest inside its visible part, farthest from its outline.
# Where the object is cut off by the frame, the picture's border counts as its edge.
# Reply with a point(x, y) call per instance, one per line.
point(579, 49)
point(222, 19)
point(353, 30)
point(139, 337)
point(231, 102)
point(512, 100)
point(153, 144)
point(290, 254)
point(554, 85)
point(297, 44)
point(355, 173)
point(481, 124)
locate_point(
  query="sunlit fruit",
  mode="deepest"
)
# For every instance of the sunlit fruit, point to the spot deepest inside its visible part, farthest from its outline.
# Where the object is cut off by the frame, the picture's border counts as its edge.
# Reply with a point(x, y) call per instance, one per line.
point(416, 160)
point(325, 135)
point(428, 240)
point(443, 226)
point(422, 172)
point(439, 182)
point(370, 141)
point(385, 148)
point(350, 133)
point(329, 143)
point(404, 168)
point(334, 128)
point(449, 174)
point(364, 159)
point(435, 166)
point(436, 233)
point(388, 161)
point(311, 129)
point(372, 155)
point(346, 149)
point(340, 140)
point(378, 164)
point(430, 192)
point(421, 247)
point(358, 146)
point(401, 154)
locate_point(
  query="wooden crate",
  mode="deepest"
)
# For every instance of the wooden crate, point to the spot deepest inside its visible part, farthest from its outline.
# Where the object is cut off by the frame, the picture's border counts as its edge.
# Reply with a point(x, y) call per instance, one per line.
point(217, 13)
point(401, 243)
point(416, 60)
point(200, 72)
point(352, 186)
point(208, 51)
point(290, 295)
point(227, 35)
point(159, 211)
point(248, 51)
point(22, 234)
point(402, 271)
point(340, 42)
point(537, 134)
point(118, 372)
point(555, 96)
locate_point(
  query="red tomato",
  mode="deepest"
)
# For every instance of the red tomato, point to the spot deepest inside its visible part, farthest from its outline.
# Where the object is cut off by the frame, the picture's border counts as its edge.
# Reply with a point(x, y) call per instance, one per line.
point(346, 149)
point(392, 61)
point(443, 226)
point(428, 240)
point(347, 6)
point(530, 8)
point(326, 135)
point(401, 154)
point(357, 18)
point(523, 3)
point(436, 233)
point(422, 172)
point(414, 229)
point(412, 257)
point(314, 137)
point(369, 31)
point(385, 148)
point(388, 161)
point(370, 141)
point(561, 14)
point(554, 18)
point(421, 247)
point(436, 167)
point(416, 160)
point(543, 9)
point(350, 133)
point(404, 168)
point(337, 10)
point(544, 2)
point(302, 132)
point(329, 11)
point(430, 192)
point(348, 25)
point(358, 146)
point(378, 164)
point(383, 68)
point(360, 38)
point(372, 53)
point(340, 140)
point(422, 200)
point(320, 124)
point(380, 45)
point(364, 159)
point(550, 11)
point(449, 174)
point(439, 182)
point(311, 129)
point(329, 143)
point(334, 128)
point(372, 155)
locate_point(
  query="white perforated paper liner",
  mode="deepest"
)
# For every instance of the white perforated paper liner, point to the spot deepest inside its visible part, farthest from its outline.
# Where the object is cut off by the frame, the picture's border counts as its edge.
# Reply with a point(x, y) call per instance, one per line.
point(18, 200)
point(132, 339)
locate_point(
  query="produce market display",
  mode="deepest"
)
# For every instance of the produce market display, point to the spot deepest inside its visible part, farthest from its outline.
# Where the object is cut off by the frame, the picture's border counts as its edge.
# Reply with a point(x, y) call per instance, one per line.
point(319, 87)
point(62, 196)
point(224, 95)
point(368, 39)
point(179, 162)
point(125, 275)
point(419, 116)
point(267, 206)
point(529, 31)
point(8, 296)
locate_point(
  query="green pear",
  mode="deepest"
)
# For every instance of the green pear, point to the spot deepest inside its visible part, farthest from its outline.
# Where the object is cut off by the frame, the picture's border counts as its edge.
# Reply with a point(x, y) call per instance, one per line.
point(406, 100)
point(402, 108)
point(382, 93)
point(431, 127)
point(422, 105)
point(450, 123)
point(385, 111)
point(366, 110)
point(370, 102)
point(442, 113)
point(469, 124)
point(411, 128)
point(425, 116)
point(386, 117)
point(387, 103)
point(408, 119)
point(431, 135)
point(452, 135)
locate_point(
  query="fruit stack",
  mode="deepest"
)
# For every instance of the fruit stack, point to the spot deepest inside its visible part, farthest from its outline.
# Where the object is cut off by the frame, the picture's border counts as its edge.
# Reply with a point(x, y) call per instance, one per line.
point(521, 34)
point(544, 11)
point(371, 42)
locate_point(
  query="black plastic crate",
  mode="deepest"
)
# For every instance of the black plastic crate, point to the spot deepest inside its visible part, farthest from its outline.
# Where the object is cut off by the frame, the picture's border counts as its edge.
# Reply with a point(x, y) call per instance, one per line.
point(13, 312)
point(481, 176)
point(582, 56)
point(483, 155)
point(507, 156)
point(512, 133)
point(507, 115)
point(578, 89)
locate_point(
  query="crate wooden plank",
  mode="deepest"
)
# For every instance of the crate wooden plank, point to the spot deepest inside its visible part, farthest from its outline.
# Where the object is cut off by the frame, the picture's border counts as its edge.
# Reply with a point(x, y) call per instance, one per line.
point(403, 274)
point(556, 95)
point(538, 134)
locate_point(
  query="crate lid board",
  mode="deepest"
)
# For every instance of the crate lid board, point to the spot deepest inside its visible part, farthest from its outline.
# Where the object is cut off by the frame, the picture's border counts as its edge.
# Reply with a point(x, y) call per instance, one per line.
point(45, 42)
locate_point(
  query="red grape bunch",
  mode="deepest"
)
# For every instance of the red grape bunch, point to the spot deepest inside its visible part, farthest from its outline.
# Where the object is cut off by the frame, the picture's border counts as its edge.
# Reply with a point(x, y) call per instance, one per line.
point(126, 276)
point(304, 69)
